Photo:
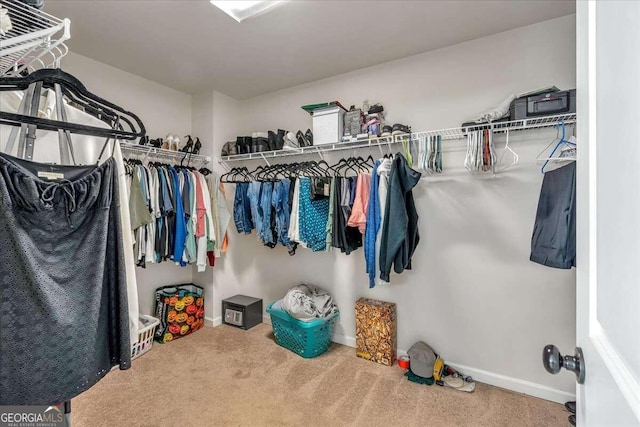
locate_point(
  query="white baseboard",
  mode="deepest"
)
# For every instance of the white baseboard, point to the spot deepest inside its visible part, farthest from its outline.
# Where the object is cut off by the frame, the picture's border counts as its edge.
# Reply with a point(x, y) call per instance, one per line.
point(344, 340)
point(491, 378)
point(515, 384)
point(213, 322)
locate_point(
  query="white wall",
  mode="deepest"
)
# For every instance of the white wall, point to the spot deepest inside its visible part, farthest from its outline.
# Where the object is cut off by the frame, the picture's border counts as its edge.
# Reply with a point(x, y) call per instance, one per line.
point(163, 110)
point(473, 293)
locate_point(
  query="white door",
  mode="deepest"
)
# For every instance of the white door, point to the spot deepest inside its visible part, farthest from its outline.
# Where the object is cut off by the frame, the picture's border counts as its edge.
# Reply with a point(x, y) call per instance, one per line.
point(608, 211)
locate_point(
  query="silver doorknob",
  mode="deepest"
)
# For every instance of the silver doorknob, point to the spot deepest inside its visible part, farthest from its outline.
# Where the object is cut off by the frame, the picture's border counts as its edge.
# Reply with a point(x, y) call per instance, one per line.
point(553, 362)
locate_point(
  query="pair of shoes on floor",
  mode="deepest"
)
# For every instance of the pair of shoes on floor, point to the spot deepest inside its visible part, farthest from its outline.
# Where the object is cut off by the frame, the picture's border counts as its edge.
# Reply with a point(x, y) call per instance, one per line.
point(571, 407)
point(305, 139)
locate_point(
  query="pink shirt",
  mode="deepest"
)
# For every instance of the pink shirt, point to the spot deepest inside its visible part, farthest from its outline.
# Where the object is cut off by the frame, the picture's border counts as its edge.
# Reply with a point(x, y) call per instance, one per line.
point(358, 216)
point(201, 210)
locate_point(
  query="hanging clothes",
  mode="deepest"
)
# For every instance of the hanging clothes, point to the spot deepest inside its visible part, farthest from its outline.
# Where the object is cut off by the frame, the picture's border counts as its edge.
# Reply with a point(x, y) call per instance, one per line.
point(329, 228)
point(384, 171)
point(85, 150)
point(280, 202)
point(372, 226)
point(78, 316)
point(312, 217)
point(358, 216)
point(344, 237)
point(221, 215)
point(400, 235)
point(242, 213)
point(186, 216)
point(294, 224)
point(554, 234)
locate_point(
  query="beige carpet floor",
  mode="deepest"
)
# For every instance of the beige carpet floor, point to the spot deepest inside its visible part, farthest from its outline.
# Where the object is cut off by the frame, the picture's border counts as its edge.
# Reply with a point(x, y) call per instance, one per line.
point(229, 377)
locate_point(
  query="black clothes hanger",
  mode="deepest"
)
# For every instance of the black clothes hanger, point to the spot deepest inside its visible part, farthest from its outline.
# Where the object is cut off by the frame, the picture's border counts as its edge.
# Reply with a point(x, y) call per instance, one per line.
point(130, 126)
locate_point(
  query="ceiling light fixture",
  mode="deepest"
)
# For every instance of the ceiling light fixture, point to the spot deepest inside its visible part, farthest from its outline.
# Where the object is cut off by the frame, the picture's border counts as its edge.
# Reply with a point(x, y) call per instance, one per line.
point(241, 10)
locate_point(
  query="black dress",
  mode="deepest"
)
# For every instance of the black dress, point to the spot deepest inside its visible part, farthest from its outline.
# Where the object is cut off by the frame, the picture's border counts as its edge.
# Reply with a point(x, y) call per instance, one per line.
point(63, 296)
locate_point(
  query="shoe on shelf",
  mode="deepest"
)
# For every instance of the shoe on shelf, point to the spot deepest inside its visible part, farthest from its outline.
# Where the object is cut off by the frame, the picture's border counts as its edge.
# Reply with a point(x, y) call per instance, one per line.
point(572, 420)
point(375, 108)
point(144, 140)
point(229, 148)
point(398, 129)
point(197, 146)
point(167, 142)
point(188, 146)
point(157, 143)
point(243, 144)
point(262, 141)
point(302, 142)
point(290, 142)
point(254, 142)
point(175, 143)
point(386, 130)
point(308, 136)
point(271, 139)
point(242, 147)
point(280, 139)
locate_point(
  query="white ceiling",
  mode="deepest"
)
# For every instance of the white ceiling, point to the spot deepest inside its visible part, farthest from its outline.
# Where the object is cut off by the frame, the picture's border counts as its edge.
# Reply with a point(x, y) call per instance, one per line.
point(194, 47)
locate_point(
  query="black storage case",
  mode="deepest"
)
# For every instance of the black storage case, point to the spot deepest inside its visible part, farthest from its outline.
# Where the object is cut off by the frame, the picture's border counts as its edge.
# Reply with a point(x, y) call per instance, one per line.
point(242, 311)
point(546, 104)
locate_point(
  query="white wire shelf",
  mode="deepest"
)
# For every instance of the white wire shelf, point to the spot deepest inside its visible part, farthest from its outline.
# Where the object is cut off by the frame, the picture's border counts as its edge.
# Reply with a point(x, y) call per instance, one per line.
point(146, 152)
point(450, 134)
point(34, 39)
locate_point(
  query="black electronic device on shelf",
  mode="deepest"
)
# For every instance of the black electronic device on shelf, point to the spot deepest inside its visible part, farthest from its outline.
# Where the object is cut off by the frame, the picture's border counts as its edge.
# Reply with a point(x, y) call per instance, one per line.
point(242, 311)
point(543, 104)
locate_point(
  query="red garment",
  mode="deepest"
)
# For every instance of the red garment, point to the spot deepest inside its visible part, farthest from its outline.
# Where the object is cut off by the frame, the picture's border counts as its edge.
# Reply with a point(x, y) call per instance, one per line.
point(201, 211)
point(212, 258)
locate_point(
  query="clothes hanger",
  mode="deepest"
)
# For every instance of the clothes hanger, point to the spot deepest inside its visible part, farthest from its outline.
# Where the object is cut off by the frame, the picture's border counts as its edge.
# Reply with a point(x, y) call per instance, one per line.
point(49, 78)
point(562, 141)
point(516, 157)
point(336, 167)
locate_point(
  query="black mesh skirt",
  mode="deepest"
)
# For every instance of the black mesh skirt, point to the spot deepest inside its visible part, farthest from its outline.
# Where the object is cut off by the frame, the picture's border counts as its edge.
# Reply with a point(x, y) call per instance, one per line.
point(63, 296)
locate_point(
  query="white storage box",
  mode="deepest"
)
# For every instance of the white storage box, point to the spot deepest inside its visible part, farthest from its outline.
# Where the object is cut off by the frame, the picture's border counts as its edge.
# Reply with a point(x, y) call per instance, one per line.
point(327, 125)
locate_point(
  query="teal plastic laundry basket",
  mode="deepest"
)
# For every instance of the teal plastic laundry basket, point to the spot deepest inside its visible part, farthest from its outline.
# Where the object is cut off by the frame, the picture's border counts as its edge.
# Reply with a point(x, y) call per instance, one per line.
point(307, 339)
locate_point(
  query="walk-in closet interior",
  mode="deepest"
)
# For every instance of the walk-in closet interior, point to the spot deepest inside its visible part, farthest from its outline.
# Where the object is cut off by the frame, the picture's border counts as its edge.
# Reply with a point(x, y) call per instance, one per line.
point(302, 213)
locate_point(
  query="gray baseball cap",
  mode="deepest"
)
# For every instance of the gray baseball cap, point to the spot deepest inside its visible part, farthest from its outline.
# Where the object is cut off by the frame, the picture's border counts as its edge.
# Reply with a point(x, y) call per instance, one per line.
point(421, 359)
